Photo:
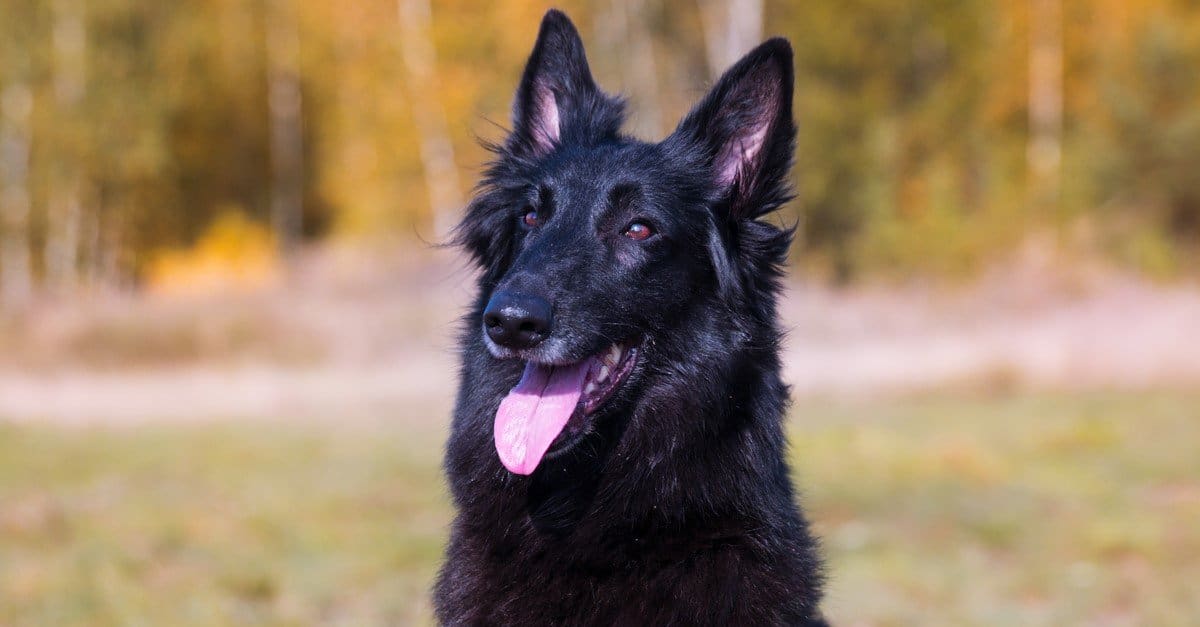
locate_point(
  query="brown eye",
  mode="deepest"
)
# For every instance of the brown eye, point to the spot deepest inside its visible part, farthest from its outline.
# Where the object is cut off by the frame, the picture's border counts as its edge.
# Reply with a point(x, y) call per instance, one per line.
point(638, 231)
point(530, 218)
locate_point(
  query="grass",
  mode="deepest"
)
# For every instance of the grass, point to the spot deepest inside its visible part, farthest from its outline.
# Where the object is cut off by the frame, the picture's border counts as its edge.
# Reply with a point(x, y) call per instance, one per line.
point(939, 510)
point(1017, 511)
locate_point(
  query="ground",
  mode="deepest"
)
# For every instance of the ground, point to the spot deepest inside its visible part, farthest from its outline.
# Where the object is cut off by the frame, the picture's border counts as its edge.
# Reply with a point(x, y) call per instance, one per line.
point(1021, 450)
point(949, 509)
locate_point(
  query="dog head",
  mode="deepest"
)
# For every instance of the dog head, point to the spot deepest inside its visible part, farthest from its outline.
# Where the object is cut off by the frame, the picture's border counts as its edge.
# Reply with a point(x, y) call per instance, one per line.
point(595, 247)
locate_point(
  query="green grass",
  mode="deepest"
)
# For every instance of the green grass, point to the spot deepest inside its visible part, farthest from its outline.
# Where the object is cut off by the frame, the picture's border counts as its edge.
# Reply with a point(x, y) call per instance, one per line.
point(1020, 511)
point(1043, 510)
point(218, 524)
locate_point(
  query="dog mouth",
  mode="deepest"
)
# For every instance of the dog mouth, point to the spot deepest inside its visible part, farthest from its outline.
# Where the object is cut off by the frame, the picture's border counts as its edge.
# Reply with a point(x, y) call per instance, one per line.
point(554, 404)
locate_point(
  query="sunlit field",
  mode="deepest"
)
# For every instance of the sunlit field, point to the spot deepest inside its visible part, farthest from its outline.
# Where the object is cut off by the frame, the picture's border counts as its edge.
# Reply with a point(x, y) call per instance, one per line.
point(949, 509)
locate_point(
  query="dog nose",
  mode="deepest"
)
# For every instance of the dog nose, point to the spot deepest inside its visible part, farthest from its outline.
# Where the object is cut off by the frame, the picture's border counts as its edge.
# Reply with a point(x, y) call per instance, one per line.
point(517, 320)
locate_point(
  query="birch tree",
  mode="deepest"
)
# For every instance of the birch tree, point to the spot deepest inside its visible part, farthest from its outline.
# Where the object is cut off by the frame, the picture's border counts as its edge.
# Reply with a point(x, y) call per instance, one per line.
point(65, 209)
point(435, 147)
point(1044, 152)
point(731, 29)
point(285, 104)
point(624, 29)
point(16, 277)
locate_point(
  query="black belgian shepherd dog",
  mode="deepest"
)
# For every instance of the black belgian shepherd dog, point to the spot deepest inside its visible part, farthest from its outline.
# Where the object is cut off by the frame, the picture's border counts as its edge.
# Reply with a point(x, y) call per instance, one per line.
point(617, 452)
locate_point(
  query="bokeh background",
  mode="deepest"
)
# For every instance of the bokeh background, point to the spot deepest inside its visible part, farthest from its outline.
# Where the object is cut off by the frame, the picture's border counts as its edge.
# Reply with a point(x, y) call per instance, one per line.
point(226, 330)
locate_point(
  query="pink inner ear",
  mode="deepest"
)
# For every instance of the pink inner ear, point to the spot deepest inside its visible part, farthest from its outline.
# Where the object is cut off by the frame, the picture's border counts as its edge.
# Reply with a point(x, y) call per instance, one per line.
point(545, 119)
point(739, 153)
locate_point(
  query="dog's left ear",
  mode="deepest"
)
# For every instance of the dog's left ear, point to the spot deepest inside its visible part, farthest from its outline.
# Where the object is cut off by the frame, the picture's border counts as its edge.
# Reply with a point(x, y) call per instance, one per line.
point(745, 131)
point(557, 98)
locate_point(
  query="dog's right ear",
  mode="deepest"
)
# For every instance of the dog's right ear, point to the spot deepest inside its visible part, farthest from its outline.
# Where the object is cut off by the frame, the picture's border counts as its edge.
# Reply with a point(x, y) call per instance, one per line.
point(557, 99)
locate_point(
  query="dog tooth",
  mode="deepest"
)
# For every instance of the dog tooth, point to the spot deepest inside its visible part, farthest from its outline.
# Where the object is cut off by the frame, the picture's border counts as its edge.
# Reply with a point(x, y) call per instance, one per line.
point(589, 388)
point(603, 373)
point(614, 354)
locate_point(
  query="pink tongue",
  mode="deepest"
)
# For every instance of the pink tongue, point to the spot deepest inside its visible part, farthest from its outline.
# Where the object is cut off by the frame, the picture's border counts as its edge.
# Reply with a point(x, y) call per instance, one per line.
point(535, 412)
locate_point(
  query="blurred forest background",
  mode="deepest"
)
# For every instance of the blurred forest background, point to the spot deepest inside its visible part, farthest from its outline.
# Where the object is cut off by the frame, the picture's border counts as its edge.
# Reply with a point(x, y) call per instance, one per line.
point(935, 136)
point(227, 338)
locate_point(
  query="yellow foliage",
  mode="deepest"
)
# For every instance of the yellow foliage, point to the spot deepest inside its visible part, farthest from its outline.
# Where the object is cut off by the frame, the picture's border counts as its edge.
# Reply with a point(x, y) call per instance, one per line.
point(234, 254)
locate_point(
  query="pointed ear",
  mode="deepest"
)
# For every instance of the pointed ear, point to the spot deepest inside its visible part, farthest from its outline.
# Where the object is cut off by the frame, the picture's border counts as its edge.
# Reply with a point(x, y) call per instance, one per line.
point(557, 92)
point(744, 129)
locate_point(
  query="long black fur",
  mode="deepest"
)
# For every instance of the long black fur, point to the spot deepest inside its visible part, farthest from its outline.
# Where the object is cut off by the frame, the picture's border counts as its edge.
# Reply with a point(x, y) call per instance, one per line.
point(676, 506)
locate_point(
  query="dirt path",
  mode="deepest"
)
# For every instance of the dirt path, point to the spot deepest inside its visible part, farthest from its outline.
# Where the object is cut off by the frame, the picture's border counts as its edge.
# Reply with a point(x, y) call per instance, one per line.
point(380, 345)
point(1123, 335)
point(333, 393)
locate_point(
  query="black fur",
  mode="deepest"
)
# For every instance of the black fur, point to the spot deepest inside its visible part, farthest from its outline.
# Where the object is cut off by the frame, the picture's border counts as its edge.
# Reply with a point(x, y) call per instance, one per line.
point(674, 506)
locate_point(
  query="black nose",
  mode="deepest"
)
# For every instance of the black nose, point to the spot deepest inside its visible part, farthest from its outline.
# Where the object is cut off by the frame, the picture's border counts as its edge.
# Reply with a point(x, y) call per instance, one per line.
point(517, 320)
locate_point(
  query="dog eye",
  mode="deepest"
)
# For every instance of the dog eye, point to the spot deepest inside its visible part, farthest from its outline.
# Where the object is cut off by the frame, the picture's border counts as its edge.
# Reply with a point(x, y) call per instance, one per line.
point(638, 231)
point(530, 218)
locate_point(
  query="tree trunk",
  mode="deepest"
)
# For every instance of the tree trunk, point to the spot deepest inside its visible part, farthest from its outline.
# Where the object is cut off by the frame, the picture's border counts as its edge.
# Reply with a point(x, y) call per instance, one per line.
point(285, 105)
point(65, 209)
point(437, 152)
point(62, 236)
point(1044, 151)
point(623, 29)
point(16, 275)
point(731, 29)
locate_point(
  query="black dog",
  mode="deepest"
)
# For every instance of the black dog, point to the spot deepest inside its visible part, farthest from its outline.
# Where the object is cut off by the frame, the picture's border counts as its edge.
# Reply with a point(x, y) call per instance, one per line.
point(617, 448)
